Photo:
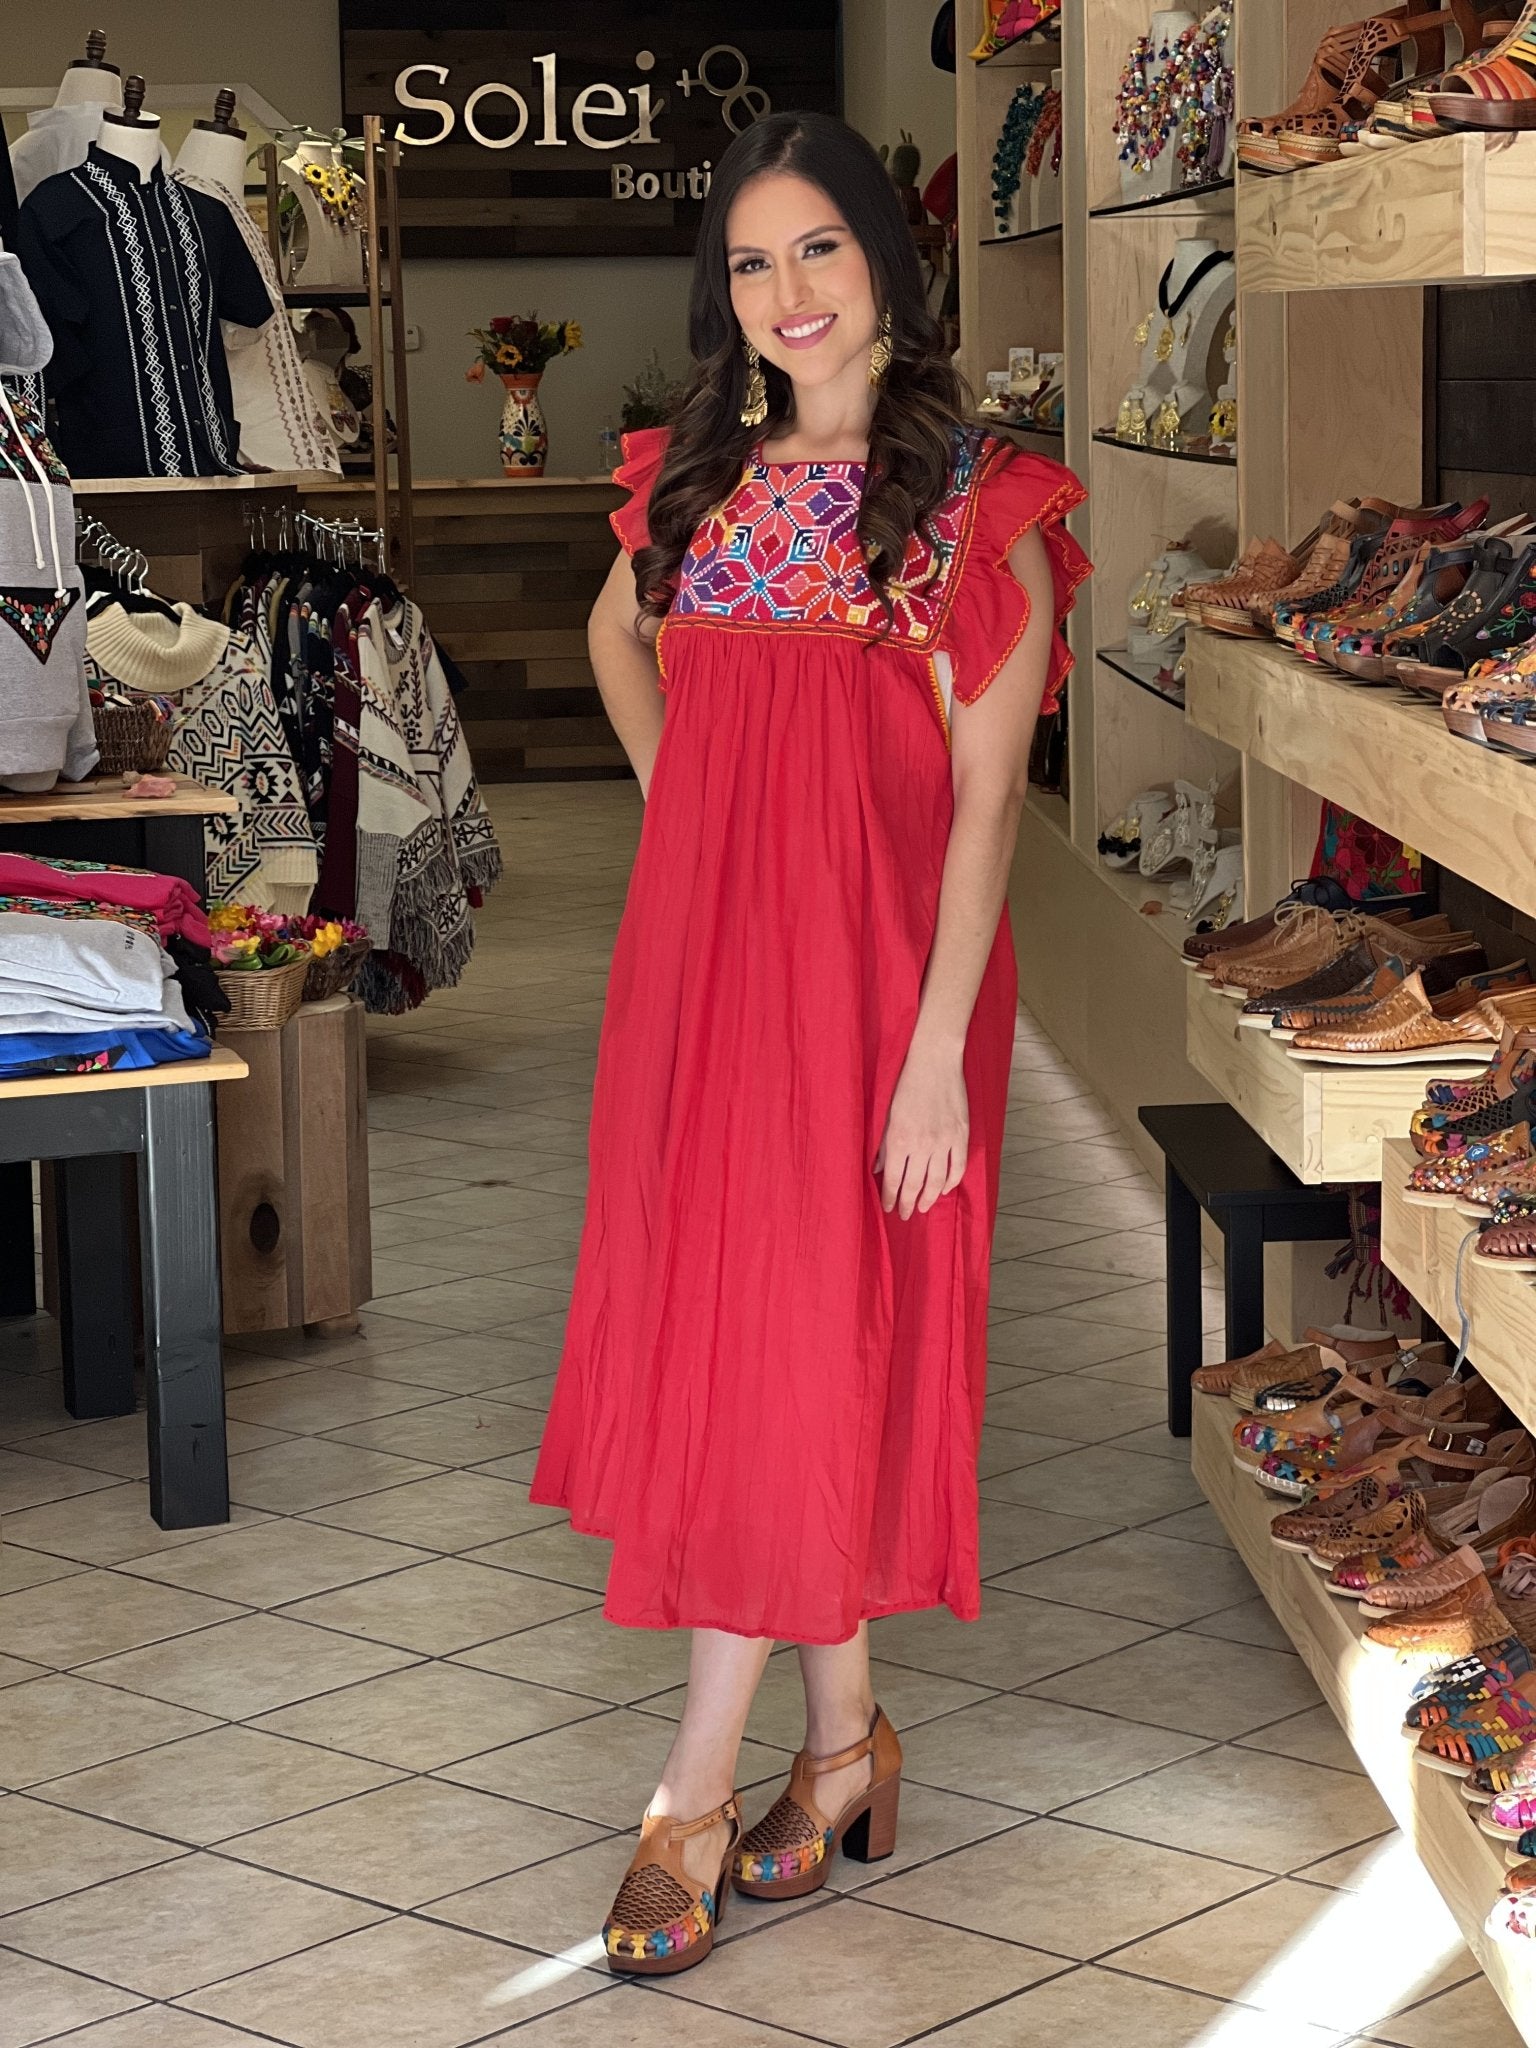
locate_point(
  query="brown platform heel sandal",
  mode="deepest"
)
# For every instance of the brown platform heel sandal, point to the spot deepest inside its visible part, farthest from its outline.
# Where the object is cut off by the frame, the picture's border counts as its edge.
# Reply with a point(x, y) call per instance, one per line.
point(663, 1920)
point(789, 1852)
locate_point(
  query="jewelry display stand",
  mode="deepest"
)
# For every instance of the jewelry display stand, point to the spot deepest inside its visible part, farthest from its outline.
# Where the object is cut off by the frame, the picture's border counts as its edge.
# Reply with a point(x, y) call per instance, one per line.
point(1166, 26)
point(327, 256)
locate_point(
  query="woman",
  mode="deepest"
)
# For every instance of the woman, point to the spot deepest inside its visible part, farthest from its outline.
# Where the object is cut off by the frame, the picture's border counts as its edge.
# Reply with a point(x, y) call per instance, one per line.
point(771, 1391)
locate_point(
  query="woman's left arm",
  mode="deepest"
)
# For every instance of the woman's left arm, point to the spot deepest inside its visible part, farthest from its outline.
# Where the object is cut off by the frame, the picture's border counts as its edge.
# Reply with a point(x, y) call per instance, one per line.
point(923, 1153)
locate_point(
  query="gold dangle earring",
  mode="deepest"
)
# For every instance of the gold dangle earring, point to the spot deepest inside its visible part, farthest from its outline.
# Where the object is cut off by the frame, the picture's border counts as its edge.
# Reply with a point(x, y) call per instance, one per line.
point(880, 352)
point(754, 408)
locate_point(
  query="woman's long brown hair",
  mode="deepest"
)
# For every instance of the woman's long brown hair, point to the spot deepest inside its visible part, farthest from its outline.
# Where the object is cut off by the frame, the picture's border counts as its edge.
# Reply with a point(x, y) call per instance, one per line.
point(922, 399)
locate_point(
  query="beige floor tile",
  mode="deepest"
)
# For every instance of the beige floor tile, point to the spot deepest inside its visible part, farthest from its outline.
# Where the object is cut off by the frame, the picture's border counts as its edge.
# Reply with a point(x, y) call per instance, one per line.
point(405, 1984)
point(1006, 1450)
point(1471, 2016)
point(1140, 1574)
point(248, 1666)
point(1036, 1754)
point(309, 1402)
point(275, 1562)
point(457, 1511)
point(441, 1607)
point(1145, 1307)
point(27, 1482)
point(1138, 1369)
point(1025, 1288)
point(478, 1303)
point(1016, 1639)
point(459, 1365)
point(1142, 1254)
point(93, 1614)
point(603, 1770)
point(1199, 1524)
point(161, 2026)
point(1251, 1621)
point(1045, 1123)
point(587, 1655)
point(1073, 1891)
point(46, 1851)
point(1111, 1208)
point(1013, 1536)
point(639, 2022)
point(1314, 1735)
point(859, 1977)
point(1268, 1811)
point(1154, 1442)
point(1387, 1859)
point(778, 1709)
point(56, 1724)
point(1337, 1959)
point(104, 1528)
point(1086, 1411)
point(1095, 2006)
point(374, 1335)
point(1053, 1344)
point(22, 1568)
point(428, 1715)
point(1018, 1237)
point(31, 1406)
point(14, 1672)
point(412, 1842)
point(1192, 1683)
point(1121, 1483)
point(38, 2001)
point(456, 1432)
point(169, 1930)
point(932, 1824)
point(553, 1552)
point(216, 1785)
point(313, 1472)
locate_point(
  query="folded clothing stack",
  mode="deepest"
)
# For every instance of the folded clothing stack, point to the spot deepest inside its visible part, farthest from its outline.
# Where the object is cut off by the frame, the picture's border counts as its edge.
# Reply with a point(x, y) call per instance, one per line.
point(99, 968)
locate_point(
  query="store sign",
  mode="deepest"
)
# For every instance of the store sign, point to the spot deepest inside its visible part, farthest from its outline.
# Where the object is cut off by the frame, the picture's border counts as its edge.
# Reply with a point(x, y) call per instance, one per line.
point(520, 137)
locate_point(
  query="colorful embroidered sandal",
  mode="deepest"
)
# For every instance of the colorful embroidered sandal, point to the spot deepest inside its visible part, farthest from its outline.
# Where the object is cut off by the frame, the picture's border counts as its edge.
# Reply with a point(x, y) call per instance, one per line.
point(789, 1851)
point(663, 1920)
point(1442, 1695)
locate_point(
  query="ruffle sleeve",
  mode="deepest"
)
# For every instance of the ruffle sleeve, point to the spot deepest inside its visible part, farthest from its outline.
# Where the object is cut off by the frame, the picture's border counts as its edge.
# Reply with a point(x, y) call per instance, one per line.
point(991, 608)
point(643, 453)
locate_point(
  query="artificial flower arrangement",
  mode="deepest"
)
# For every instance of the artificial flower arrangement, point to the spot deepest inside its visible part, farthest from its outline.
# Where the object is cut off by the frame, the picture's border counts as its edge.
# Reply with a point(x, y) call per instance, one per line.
point(521, 344)
point(249, 941)
point(252, 944)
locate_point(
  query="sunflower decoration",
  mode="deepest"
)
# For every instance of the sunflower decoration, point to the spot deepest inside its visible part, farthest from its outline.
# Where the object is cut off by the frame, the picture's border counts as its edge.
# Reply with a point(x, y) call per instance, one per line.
point(520, 343)
point(339, 191)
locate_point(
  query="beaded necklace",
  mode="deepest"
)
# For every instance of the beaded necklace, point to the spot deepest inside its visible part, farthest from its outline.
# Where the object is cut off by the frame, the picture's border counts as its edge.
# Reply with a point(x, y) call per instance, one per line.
point(1024, 111)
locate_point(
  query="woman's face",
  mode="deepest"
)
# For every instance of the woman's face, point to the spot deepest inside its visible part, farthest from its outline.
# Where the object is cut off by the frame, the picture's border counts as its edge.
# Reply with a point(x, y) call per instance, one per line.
point(800, 284)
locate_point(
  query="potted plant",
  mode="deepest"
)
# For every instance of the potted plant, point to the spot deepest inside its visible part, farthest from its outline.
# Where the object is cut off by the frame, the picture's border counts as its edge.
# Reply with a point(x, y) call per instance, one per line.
point(652, 399)
point(519, 347)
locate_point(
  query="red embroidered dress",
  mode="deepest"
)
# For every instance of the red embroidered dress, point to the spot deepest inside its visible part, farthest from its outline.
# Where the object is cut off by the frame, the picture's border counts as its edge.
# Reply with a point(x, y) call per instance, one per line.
point(771, 1392)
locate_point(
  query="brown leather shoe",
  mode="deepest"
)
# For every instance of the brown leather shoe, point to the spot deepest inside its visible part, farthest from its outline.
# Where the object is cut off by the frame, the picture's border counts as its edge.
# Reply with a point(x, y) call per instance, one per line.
point(1302, 943)
point(663, 1920)
point(789, 1852)
point(1403, 1027)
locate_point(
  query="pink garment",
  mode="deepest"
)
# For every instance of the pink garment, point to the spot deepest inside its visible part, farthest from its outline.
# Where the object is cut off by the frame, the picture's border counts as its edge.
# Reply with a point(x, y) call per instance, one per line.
point(176, 905)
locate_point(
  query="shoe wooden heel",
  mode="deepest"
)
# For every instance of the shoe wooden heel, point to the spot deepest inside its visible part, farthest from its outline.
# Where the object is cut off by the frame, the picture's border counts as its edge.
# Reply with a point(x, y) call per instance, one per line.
point(872, 1836)
point(789, 1851)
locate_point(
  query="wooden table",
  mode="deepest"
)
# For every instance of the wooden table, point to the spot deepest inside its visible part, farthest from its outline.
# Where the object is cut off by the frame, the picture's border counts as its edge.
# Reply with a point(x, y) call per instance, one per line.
point(163, 1115)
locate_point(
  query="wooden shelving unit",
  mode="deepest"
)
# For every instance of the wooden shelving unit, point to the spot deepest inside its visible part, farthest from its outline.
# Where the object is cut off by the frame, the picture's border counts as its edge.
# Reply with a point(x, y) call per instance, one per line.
point(1383, 754)
point(1429, 1250)
point(1367, 1690)
point(1454, 210)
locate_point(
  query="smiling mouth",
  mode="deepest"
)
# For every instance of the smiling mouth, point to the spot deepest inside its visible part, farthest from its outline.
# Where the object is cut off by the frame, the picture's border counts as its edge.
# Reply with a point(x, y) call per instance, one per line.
point(805, 333)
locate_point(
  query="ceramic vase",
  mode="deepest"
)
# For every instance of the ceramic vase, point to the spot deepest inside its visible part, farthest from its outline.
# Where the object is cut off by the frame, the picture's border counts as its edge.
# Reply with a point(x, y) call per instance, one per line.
point(524, 434)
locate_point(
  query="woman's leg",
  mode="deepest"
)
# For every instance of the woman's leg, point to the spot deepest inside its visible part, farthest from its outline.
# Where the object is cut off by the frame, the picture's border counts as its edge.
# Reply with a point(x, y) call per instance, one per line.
point(700, 1771)
point(839, 1708)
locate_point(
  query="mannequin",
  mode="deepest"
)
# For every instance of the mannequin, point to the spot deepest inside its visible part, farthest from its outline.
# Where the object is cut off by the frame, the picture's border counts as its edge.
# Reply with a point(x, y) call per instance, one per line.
point(281, 424)
point(132, 134)
point(59, 137)
point(1167, 25)
point(327, 257)
point(1195, 297)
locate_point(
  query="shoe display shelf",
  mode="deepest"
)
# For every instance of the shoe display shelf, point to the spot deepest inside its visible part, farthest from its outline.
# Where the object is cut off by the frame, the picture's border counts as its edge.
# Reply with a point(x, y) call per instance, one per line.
point(1455, 209)
point(1429, 1248)
point(1382, 754)
point(1367, 1689)
point(1327, 1123)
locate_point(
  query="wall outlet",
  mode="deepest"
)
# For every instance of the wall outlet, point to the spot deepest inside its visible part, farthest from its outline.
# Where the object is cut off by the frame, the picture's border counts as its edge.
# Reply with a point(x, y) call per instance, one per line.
point(412, 338)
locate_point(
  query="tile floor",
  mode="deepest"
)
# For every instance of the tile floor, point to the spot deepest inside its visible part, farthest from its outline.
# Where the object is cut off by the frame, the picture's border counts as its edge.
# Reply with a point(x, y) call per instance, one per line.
point(357, 1771)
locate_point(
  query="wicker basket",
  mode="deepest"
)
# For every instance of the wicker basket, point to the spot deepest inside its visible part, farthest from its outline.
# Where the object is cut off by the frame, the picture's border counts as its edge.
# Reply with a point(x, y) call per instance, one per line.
point(132, 740)
point(336, 972)
point(262, 1000)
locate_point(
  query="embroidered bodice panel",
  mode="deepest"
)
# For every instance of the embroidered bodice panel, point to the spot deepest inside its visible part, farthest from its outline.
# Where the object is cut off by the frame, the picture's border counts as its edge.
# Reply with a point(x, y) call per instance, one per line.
point(784, 549)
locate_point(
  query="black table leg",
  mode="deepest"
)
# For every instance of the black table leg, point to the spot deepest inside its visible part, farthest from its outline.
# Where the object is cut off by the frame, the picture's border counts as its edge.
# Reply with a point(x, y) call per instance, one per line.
point(1244, 1231)
point(183, 1357)
point(18, 1279)
point(95, 1285)
point(1182, 1235)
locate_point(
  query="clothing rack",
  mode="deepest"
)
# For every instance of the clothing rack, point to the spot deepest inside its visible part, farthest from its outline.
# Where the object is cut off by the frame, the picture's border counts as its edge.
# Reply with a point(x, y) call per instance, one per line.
point(129, 565)
point(342, 542)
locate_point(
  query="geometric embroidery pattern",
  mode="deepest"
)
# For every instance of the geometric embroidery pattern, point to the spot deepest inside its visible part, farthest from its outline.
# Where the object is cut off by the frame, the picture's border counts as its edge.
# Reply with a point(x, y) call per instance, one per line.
point(35, 616)
point(784, 549)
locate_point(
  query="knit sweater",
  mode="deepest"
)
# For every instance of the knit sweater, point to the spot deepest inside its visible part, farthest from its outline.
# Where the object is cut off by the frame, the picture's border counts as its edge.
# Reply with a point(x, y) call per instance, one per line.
point(226, 735)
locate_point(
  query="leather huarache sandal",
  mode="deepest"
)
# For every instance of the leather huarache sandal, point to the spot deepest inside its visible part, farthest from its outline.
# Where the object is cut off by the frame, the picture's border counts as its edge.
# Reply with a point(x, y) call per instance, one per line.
point(1353, 67)
point(1492, 1109)
point(1501, 1725)
point(1443, 1694)
point(1454, 1627)
point(1301, 1528)
point(1515, 1771)
point(1280, 1386)
point(1496, 89)
point(1520, 1874)
point(1484, 1186)
point(663, 1920)
point(1217, 1379)
point(1508, 1239)
point(789, 1851)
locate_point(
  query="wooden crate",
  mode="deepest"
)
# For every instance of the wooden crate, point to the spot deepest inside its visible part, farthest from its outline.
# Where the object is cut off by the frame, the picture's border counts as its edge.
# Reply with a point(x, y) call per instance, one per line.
point(1368, 1691)
point(1424, 1247)
point(1326, 1123)
point(293, 1173)
point(1452, 210)
point(1381, 754)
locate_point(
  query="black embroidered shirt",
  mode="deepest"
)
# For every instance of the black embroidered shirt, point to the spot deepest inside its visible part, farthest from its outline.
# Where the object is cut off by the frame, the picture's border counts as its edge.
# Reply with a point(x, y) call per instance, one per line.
point(133, 279)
